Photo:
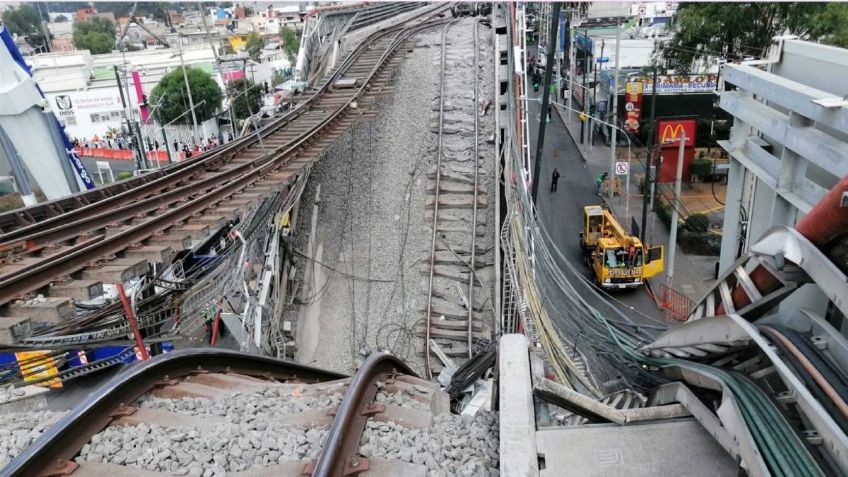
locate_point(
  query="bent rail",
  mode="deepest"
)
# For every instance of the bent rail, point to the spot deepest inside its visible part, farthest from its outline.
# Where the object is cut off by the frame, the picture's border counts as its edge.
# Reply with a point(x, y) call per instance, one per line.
point(61, 442)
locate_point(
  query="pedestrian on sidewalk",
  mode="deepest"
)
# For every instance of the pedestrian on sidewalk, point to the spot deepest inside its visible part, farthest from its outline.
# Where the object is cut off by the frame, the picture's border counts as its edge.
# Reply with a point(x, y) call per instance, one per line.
point(554, 180)
point(599, 182)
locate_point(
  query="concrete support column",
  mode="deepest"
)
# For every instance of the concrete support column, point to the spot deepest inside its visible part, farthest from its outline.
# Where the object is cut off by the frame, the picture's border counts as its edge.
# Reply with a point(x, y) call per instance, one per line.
point(736, 186)
point(731, 228)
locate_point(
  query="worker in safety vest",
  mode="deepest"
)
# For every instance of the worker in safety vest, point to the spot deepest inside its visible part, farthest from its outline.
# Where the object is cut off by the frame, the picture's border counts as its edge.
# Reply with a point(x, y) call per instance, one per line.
point(631, 252)
point(599, 182)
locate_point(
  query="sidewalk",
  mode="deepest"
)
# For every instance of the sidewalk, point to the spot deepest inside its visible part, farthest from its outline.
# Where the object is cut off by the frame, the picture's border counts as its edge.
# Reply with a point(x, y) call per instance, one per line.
point(693, 274)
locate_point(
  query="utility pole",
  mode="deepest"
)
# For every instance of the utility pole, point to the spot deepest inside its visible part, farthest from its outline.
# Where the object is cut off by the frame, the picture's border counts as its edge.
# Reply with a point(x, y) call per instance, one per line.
point(675, 215)
point(614, 111)
point(585, 94)
point(44, 30)
point(546, 94)
point(140, 163)
point(649, 181)
point(188, 91)
point(572, 67)
point(594, 109)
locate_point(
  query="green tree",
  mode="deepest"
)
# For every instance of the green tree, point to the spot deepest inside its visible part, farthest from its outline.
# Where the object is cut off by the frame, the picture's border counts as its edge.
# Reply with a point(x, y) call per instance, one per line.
point(248, 102)
point(25, 21)
point(708, 32)
point(171, 100)
point(96, 35)
point(290, 39)
point(254, 46)
point(831, 25)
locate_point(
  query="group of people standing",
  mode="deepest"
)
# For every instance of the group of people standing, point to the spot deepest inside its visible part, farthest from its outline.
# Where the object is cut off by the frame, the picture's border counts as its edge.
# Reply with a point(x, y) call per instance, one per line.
point(205, 144)
point(114, 141)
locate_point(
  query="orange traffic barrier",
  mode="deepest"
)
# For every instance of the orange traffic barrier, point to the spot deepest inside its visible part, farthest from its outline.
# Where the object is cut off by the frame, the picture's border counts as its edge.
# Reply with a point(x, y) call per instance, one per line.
point(677, 304)
point(124, 154)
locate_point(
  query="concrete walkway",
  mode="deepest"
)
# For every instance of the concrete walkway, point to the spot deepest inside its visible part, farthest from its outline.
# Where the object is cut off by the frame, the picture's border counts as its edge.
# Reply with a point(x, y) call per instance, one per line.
point(693, 274)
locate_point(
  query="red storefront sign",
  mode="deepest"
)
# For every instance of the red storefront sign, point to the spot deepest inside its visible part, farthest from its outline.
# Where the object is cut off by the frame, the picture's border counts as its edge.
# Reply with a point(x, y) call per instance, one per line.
point(670, 131)
point(632, 105)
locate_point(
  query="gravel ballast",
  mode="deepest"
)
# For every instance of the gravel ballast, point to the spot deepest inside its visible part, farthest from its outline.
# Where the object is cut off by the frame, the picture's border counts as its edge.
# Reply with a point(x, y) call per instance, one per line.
point(452, 445)
point(19, 429)
point(373, 227)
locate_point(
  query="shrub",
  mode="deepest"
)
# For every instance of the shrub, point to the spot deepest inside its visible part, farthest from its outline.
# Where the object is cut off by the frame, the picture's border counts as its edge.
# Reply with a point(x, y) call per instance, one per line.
point(697, 223)
point(701, 169)
point(123, 175)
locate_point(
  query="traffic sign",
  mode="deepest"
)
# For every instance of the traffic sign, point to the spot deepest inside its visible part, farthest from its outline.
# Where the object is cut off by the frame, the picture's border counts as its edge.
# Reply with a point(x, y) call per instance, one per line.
point(622, 168)
point(603, 59)
point(643, 10)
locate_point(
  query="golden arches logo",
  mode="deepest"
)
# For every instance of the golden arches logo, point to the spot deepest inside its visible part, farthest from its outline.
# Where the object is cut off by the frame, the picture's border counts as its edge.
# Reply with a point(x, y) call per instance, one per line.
point(675, 131)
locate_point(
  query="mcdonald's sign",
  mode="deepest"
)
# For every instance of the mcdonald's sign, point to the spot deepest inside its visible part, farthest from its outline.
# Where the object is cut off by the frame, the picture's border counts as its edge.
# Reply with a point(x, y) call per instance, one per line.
point(670, 131)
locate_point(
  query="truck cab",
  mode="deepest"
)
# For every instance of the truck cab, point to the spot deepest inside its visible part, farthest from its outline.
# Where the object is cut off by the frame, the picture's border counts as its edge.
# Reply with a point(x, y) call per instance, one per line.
point(617, 259)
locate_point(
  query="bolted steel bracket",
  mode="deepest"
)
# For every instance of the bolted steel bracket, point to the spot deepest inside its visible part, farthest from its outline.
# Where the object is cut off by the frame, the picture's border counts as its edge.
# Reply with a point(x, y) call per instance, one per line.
point(373, 408)
point(61, 467)
point(308, 469)
point(355, 465)
point(123, 410)
point(166, 382)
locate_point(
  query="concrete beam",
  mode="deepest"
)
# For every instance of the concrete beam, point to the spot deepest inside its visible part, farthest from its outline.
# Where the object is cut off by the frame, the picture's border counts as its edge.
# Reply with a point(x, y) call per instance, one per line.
point(518, 456)
point(813, 145)
point(804, 193)
point(790, 94)
point(593, 410)
point(13, 328)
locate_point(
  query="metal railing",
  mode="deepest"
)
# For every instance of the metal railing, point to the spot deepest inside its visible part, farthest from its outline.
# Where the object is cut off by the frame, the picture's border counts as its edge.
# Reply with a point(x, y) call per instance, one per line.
point(676, 304)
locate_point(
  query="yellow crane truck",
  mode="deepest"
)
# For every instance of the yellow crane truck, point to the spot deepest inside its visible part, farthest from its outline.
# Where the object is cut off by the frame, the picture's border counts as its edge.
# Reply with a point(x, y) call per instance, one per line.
point(616, 258)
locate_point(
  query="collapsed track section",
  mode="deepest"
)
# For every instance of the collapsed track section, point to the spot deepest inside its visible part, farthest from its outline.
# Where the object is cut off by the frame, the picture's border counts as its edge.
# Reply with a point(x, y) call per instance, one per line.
point(198, 411)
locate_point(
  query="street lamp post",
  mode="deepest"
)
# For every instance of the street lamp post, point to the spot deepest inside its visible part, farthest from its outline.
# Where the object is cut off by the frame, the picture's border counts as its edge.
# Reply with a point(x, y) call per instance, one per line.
point(613, 112)
point(675, 211)
point(594, 108)
point(649, 180)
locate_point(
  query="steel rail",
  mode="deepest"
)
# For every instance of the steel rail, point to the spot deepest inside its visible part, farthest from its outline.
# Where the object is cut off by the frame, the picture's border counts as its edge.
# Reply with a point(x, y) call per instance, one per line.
point(427, 365)
point(56, 208)
point(114, 326)
point(61, 442)
point(166, 178)
point(473, 272)
point(338, 456)
point(12, 285)
point(187, 169)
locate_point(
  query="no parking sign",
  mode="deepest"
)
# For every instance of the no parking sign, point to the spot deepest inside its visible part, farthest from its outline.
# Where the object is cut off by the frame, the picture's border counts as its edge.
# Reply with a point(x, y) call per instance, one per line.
point(622, 168)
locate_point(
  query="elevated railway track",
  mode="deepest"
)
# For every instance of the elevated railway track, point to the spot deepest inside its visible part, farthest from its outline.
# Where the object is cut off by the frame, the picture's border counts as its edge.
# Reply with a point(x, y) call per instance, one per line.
point(121, 227)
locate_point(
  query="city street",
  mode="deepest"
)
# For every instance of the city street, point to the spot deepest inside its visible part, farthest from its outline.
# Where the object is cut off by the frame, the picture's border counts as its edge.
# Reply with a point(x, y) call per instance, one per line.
point(561, 211)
